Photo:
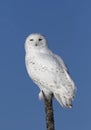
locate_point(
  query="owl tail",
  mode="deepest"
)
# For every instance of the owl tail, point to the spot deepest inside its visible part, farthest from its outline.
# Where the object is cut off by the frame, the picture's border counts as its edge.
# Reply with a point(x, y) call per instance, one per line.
point(63, 101)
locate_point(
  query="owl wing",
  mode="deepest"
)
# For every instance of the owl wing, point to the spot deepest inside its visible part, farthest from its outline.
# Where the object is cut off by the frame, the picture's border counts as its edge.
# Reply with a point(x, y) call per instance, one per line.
point(67, 86)
point(61, 62)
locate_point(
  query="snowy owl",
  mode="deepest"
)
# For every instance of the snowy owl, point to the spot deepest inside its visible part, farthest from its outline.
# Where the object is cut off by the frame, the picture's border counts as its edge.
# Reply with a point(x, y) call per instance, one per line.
point(48, 71)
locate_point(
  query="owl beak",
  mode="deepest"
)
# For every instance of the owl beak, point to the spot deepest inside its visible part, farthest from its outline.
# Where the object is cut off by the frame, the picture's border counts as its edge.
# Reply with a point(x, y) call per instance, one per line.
point(36, 44)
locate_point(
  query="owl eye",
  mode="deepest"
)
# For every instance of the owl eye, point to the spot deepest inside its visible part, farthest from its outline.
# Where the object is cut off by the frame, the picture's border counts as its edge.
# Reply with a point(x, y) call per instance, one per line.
point(31, 39)
point(40, 39)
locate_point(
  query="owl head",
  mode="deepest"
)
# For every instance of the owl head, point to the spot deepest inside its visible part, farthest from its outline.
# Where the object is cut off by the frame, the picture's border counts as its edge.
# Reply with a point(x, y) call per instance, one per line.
point(35, 41)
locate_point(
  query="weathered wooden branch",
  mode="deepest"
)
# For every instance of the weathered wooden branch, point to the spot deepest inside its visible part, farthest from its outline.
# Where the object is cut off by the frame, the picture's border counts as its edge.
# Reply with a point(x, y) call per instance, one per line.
point(49, 113)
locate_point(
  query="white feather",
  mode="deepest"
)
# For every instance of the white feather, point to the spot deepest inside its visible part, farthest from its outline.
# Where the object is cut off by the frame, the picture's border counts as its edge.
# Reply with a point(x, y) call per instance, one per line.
point(48, 70)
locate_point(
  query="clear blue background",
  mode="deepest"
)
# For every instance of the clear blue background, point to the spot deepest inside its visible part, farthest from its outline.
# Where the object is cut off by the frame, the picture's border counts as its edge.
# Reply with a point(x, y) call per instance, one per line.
point(67, 27)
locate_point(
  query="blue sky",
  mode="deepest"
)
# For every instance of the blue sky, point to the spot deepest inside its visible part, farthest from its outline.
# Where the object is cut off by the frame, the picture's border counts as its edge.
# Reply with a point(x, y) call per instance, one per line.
point(67, 27)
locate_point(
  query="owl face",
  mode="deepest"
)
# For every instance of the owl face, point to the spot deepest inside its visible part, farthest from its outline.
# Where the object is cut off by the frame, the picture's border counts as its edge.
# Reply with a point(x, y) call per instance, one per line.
point(35, 41)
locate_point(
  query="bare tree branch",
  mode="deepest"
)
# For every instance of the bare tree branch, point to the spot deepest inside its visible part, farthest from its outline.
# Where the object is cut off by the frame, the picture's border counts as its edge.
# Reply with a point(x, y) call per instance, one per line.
point(49, 113)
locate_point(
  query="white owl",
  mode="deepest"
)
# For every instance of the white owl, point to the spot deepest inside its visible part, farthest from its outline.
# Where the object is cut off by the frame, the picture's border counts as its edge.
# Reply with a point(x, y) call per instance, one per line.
point(48, 70)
